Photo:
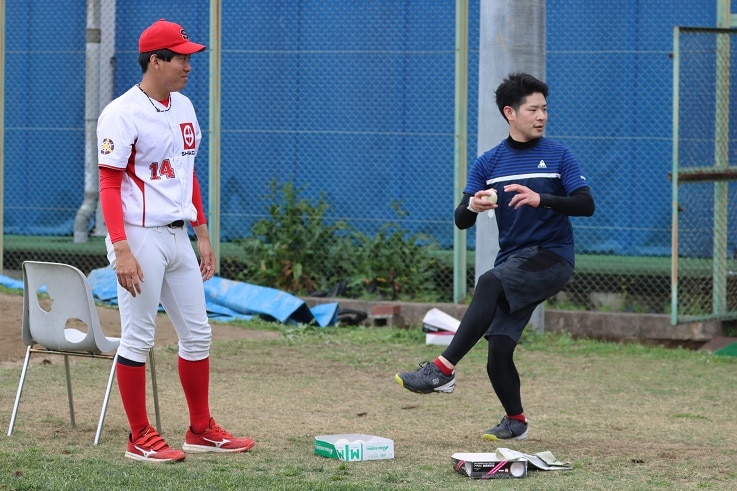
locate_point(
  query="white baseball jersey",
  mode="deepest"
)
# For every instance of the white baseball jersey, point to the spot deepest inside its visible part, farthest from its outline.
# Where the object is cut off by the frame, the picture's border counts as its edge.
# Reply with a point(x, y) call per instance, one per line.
point(156, 149)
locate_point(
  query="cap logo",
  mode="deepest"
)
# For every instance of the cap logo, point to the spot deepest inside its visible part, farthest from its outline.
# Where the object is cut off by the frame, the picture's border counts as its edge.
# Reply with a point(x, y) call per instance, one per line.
point(184, 34)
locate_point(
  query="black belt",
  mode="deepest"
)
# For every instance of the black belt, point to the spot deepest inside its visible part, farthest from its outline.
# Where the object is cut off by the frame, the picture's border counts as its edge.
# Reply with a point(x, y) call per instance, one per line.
point(176, 224)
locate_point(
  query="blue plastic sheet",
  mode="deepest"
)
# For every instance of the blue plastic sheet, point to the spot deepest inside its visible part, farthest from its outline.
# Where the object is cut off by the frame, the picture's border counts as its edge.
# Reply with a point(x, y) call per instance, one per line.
point(12, 283)
point(104, 285)
point(267, 303)
point(226, 300)
point(229, 300)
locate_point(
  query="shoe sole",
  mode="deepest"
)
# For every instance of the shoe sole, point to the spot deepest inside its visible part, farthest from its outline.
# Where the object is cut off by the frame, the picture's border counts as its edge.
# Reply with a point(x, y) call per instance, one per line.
point(187, 447)
point(447, 388)
point(141, 458)
point(494, 438)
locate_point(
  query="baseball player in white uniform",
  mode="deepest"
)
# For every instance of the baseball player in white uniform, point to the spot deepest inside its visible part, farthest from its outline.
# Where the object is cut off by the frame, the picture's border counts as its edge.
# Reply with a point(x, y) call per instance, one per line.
point(148, 140)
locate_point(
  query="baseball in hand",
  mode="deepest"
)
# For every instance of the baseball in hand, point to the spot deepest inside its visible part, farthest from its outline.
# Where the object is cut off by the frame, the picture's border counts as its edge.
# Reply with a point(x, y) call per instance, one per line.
point(490, 197)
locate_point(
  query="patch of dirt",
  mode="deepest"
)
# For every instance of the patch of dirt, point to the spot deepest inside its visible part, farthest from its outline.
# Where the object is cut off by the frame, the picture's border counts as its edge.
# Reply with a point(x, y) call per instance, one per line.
point(12, 349)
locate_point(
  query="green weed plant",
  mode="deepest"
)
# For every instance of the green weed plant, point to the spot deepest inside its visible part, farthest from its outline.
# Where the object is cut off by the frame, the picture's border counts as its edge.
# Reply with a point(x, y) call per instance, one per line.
point(295, 249)
point(299, 250)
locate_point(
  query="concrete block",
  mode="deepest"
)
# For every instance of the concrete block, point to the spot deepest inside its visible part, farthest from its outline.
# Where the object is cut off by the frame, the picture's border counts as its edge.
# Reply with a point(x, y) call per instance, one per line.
point(386, 309)
point(387, 321)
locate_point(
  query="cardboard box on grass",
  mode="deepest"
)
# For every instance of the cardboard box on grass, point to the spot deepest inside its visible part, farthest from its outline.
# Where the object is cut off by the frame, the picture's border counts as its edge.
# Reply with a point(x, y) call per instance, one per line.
point(488, 466)
point(442, 338)
point(353, 447)
point(439, 327)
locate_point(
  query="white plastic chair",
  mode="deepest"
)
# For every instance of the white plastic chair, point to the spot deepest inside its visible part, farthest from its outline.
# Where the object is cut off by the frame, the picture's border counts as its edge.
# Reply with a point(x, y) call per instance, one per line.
point(46, 330)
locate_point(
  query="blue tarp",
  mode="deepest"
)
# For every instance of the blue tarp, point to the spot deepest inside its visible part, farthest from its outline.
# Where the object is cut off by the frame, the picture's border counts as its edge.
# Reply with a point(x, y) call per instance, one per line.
point(9, 282)
point(267, 302)
point(226, 300)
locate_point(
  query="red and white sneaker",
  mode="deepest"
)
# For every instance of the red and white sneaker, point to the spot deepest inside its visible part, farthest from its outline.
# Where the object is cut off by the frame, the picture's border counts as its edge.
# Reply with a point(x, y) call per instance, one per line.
point(150, 447)
point(215, 439)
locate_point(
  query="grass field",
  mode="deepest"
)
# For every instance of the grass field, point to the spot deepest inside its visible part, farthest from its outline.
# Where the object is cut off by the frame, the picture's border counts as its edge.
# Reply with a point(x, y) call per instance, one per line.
point(628, 417)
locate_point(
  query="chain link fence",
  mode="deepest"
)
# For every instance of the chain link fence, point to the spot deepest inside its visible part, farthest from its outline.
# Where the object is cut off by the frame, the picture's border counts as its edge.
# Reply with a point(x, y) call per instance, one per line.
point(704, 174)
point(610, 69)
point(350, 105)
point(337, 138)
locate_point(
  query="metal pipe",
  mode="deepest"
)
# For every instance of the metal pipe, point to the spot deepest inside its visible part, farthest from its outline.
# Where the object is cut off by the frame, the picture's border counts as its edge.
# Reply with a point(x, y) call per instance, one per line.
point(460, 151)
point(213, 222)
point(91, 111)
point(721, 161)
point(2, 131)
point(721, 158)
point(106, 78)
point(674, 178)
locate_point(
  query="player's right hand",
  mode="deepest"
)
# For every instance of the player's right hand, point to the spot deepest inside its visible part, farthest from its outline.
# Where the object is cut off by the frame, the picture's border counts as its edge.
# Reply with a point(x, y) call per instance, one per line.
point(481, 202)
point(127, 269)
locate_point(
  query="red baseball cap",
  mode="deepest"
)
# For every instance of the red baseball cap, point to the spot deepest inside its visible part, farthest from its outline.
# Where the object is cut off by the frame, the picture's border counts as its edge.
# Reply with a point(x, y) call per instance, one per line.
point(163, 34)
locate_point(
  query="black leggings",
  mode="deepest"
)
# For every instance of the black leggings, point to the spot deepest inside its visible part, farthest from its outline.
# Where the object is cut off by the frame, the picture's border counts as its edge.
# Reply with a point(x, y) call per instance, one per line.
point(503, 373)
point(489, 295)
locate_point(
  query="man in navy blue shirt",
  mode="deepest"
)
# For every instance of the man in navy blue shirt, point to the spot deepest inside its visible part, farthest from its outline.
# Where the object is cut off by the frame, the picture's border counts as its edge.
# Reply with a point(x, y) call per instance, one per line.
point(533, 185)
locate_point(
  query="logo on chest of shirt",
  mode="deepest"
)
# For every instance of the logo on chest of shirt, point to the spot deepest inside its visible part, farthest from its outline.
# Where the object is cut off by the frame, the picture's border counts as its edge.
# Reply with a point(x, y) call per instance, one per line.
point(188, 138)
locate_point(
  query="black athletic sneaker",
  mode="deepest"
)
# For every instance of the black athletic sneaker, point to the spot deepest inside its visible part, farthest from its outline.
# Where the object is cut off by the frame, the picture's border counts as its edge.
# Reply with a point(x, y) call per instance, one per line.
point(426, 379)
point(507, 429)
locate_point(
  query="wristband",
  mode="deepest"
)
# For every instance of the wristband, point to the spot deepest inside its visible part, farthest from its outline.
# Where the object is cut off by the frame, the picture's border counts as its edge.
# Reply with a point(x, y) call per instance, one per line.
point(470, 206)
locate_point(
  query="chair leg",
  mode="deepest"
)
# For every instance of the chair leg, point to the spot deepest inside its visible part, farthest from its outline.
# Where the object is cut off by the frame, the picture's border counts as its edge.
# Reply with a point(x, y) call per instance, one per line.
point(105, 401)
point(20, 389)
point(111, 378)
point(155, 387)
point(69, 391)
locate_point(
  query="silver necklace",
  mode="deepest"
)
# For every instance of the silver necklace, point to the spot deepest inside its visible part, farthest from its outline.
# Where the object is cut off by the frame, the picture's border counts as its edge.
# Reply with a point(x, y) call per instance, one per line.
point(168, 106)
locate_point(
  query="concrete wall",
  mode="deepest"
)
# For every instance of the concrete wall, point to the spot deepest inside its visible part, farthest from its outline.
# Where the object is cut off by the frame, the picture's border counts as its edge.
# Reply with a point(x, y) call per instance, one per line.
point(646, 328)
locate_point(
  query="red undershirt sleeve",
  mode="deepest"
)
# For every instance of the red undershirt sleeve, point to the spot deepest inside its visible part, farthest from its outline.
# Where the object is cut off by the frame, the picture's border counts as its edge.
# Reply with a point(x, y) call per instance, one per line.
point(197, 202)
point(112, 205)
